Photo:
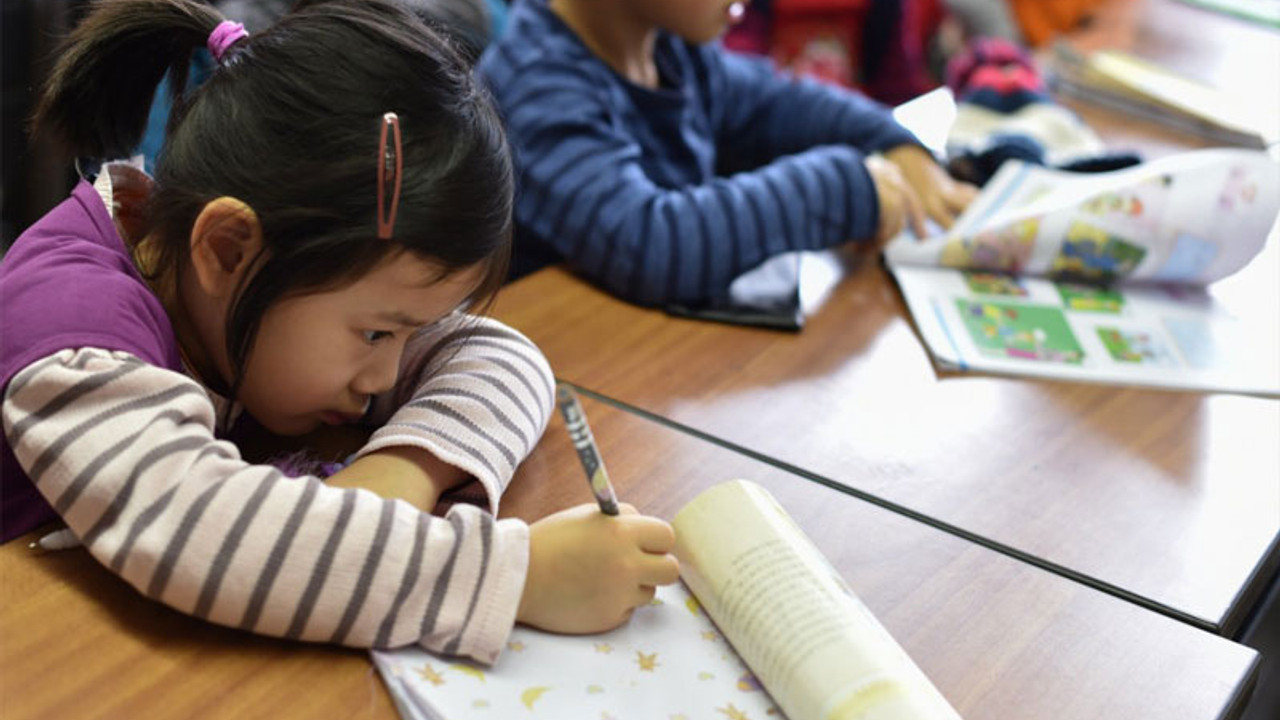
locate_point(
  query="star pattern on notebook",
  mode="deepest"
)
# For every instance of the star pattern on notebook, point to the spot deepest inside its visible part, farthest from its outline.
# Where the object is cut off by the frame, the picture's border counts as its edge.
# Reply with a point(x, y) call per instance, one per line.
point(429, 674)
point(648, 662)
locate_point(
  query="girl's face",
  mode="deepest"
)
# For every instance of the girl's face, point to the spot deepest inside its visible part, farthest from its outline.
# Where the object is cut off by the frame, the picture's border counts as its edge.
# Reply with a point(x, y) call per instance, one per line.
point(697, 21)
point(318, 359)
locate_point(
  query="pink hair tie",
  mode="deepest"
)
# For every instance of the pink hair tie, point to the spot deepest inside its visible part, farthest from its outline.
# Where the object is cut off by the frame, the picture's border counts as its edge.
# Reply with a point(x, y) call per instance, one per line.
point(223, 37)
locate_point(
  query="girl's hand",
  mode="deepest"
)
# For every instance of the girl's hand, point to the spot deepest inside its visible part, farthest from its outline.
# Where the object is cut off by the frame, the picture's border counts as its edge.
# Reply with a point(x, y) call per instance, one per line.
point(899, 204)
point(941, 196)
point(588, 571)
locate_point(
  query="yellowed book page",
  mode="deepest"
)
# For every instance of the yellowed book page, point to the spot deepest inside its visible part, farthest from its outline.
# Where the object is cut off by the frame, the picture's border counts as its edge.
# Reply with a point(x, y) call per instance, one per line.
point(1182, 94)
point(810, 641)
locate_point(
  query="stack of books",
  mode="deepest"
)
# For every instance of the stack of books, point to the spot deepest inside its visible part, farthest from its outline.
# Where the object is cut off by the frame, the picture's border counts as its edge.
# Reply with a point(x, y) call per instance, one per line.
point(1139, 88)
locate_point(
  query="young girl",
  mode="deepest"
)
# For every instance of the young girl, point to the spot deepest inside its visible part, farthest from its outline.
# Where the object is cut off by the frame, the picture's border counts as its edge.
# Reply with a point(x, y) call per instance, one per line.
point(324, 206)
point(663, 167)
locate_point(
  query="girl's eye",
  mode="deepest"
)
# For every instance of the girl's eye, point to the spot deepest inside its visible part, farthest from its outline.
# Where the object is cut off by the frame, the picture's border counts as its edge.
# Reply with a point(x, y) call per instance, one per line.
point(373, 336)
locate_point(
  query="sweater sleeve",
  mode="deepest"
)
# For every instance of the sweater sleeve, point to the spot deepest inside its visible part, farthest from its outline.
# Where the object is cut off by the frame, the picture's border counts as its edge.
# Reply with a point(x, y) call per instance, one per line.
point(125, 453)
point(585, 192)
point(474, 393)
point(762, 113)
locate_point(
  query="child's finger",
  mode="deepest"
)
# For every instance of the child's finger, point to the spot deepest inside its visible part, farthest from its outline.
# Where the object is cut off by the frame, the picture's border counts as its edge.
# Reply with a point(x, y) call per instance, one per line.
point(915, 213)
point(939, 211)
point(658, 570)
point(654, 535)
point(959, 195)
point(644, 595)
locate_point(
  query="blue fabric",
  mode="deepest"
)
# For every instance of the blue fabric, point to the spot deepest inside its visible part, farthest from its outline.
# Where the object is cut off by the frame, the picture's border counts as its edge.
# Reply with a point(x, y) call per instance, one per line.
point(162, 103)
point(497, 16)
point(664, 196)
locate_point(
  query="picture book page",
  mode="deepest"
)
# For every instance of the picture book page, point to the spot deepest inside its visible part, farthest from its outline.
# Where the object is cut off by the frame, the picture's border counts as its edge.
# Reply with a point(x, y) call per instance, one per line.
point(816, 648)
point(668, 661)
point(1191, 219)
point(1160, 336)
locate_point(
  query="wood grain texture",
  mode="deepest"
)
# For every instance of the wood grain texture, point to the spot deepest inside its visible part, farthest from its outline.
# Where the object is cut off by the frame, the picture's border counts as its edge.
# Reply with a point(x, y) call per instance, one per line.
point(1169, 496)
point(999, 638)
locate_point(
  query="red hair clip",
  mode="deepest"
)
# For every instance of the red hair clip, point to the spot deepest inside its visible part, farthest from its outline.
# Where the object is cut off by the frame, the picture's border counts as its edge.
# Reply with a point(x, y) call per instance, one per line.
point(389, 167)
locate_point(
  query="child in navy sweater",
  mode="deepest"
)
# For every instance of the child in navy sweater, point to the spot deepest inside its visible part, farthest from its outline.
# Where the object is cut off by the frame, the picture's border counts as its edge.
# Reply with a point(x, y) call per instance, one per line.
point(662, 166)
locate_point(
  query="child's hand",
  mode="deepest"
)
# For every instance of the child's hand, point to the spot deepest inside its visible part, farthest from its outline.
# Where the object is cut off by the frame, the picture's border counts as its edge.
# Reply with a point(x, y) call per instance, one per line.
point(588, 570)
point(942, 197)
point(899, 204)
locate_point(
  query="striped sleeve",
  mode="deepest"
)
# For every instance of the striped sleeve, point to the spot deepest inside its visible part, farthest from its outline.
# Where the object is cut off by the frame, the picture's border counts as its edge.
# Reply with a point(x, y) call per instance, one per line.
point(761, 113)
point(125, 453)
point(585, 192)
point(474, 393)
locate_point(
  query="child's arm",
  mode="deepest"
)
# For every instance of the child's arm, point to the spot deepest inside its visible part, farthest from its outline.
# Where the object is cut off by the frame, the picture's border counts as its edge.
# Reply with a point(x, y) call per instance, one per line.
point(586, 191)
point(760, 113)
point(472, 399)
point(125, 453)
point(765, 114)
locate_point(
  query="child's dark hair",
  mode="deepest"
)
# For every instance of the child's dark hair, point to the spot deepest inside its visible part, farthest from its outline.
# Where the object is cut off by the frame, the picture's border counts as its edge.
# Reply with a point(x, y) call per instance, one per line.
point(289, 124)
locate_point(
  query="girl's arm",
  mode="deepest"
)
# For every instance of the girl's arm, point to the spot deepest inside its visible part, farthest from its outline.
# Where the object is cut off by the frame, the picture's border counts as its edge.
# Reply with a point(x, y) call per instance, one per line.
point(125, 453)
point(472, 399)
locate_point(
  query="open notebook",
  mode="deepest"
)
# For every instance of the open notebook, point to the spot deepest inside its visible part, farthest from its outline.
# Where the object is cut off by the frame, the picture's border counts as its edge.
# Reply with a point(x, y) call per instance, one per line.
point(764, 628)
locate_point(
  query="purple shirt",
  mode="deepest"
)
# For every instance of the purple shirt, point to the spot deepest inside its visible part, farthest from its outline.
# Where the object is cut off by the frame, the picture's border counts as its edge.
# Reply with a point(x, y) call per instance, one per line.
point(69, 282)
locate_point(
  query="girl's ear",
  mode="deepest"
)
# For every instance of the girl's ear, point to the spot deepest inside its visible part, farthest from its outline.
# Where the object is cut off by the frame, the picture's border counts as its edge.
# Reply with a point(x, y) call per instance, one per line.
point(225, 239)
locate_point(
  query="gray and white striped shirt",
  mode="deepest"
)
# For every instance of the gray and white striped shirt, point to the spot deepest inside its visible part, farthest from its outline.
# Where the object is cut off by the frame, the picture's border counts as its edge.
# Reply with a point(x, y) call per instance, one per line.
point(126, 453)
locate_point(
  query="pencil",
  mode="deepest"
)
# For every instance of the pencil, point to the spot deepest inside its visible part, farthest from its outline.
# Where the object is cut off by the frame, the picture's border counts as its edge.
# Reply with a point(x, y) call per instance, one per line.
point(57, 540)
point(585, 444)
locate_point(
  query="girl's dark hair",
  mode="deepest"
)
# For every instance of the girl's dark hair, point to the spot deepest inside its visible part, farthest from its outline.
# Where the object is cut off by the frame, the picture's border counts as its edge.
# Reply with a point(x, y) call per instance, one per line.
point(288, 123)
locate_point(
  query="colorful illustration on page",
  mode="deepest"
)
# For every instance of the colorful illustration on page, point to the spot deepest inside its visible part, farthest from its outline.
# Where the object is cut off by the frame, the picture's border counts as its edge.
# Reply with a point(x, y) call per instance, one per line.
point(988, 283)
point(1025, 332)
point(1088, 298)
point(1136, 210)
point(1004, 249)
point(1188, 259)
point(1089, 253)
point(1138, 347)
point(1239, 191)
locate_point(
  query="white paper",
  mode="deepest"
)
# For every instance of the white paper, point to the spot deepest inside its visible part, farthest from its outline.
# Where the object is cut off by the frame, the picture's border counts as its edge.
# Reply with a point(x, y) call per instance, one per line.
point(1154, 236)
point(668, 661)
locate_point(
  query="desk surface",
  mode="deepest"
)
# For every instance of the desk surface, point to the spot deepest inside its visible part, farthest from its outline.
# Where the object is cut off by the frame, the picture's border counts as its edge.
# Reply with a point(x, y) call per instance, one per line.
point(1166, 497)
point(998, 637)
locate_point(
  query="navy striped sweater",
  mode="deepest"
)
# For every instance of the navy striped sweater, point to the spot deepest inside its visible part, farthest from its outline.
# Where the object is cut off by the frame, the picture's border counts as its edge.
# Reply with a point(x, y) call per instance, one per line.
point(664, 196)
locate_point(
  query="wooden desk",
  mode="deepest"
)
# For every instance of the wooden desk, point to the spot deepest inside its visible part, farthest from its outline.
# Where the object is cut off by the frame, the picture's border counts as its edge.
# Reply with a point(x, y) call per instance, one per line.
point(1000, 638)
point(1168, 498)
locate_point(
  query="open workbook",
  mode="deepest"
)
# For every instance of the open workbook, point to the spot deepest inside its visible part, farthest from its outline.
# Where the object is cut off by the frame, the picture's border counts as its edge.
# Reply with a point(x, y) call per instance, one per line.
point(1108, 277)
point(763, 628)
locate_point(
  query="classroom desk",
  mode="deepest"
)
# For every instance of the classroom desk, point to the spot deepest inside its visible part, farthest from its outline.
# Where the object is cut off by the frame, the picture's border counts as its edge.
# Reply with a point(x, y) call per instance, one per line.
point(1168, 498)
point(1000, 638)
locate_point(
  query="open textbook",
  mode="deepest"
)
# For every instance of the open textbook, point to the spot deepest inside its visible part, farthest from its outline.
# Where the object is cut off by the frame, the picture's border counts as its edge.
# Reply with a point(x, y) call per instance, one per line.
point(764, 629)
point(1106, 277)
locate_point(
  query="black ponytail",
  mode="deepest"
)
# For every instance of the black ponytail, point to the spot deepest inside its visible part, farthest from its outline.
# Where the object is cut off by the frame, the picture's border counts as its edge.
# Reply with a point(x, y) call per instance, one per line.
point(98, 95)
point(288, 122)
